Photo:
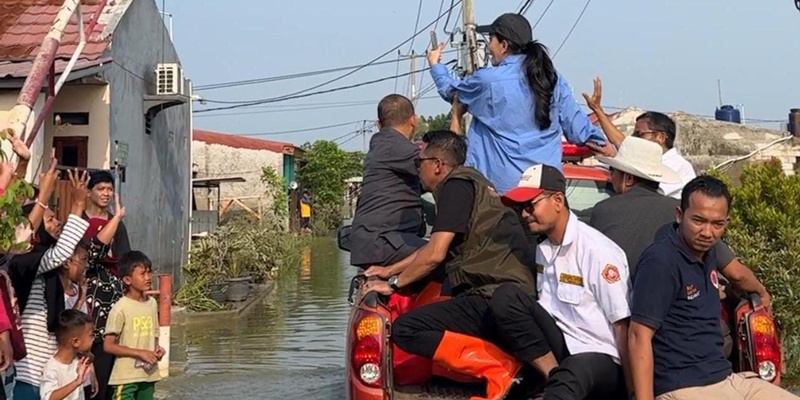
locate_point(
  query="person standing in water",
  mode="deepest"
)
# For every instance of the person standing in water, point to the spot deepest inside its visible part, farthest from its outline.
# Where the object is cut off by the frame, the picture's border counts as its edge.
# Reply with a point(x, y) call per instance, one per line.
point(521, 107)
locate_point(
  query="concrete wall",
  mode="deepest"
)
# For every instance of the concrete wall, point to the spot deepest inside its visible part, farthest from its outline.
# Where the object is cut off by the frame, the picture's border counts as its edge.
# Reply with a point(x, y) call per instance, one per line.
point(156, 190)
point(218, 161)
point(8, 99)
point(95, 100)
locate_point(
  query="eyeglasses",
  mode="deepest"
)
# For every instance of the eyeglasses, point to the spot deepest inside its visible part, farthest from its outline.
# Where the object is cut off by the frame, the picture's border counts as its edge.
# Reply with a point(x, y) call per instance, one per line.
point(531, 205)
point(641, 134)
point(418, 161)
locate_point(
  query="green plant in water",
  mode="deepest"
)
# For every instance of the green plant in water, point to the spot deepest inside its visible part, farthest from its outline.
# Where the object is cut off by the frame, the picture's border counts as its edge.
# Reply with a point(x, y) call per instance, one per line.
point(765, 233)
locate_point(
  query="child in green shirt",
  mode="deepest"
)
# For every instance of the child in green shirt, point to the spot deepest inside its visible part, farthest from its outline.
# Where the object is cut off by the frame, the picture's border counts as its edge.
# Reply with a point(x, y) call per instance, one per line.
point(132, 332)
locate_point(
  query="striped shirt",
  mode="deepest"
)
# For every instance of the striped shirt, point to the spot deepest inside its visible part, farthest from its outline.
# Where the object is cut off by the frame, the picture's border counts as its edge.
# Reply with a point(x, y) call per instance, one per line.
point(40, 343)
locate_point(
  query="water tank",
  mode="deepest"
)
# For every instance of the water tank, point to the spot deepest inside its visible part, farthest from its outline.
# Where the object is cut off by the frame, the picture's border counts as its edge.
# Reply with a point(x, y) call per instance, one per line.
point(728, 113)
point(794, 122)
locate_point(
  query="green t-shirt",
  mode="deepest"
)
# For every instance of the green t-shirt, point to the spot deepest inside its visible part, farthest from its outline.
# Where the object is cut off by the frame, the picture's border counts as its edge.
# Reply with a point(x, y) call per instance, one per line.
point(136, 325)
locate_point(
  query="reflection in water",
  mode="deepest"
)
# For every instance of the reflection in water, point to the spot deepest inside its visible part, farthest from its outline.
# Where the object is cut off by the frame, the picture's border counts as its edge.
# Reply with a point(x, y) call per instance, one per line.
point(289, 347)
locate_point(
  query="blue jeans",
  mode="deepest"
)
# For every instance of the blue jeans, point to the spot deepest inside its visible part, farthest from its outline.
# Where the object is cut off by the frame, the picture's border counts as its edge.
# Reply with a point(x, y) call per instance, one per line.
point(9, 376)
point(25, 391)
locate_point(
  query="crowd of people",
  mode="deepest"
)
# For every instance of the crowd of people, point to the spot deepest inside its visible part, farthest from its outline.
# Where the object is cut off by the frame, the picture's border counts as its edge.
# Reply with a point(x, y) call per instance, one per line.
point(626, 305)
point(75, 319)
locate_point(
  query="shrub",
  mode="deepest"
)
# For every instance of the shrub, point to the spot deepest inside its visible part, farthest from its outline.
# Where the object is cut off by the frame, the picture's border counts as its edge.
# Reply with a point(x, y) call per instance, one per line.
point(765, 233)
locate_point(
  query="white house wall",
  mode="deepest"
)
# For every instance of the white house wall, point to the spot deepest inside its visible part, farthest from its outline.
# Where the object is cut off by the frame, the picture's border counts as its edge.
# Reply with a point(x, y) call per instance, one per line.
point(218, 161)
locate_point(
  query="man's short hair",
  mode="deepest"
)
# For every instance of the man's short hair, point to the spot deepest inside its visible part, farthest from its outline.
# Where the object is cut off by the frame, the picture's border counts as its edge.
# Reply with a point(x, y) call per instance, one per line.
point(98, 177)
point(69, 323)
point(707, 185)
point(394, 110)
point(662, 123)
point(129, 261)
point(447, 145)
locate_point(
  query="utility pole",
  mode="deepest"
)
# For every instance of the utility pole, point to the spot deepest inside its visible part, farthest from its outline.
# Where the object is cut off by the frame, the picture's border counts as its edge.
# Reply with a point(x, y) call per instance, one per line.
point(469, 54)
point(412, 80)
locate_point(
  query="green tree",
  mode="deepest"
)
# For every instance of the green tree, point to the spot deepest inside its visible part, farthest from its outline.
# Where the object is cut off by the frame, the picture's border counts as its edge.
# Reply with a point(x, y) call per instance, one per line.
point(766, 236)
point(324, 172)
point(276, 188)
point(432, 123)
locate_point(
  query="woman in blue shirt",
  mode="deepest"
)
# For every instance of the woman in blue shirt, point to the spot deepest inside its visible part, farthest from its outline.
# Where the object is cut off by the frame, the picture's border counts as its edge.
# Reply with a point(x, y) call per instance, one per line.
point(521, 106)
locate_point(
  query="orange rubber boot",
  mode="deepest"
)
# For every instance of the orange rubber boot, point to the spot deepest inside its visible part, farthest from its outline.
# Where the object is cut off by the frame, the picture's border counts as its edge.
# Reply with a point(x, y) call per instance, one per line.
point(476, 357)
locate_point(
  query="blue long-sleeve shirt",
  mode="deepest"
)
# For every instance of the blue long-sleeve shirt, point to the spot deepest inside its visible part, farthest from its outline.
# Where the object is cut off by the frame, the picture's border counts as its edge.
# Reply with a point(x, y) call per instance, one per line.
point(504, 138)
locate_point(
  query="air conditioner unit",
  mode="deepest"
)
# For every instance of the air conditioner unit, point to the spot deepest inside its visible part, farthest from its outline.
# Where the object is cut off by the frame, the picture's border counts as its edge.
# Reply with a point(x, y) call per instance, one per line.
point(169, 79)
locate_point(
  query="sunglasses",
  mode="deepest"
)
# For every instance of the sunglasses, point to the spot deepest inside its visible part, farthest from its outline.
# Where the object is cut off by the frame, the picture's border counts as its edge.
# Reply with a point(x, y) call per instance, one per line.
point(418, 161)
point(531, 205)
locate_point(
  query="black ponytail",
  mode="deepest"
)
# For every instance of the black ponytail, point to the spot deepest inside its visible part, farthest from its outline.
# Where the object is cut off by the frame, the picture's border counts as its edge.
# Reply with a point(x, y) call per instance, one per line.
point(542, 80)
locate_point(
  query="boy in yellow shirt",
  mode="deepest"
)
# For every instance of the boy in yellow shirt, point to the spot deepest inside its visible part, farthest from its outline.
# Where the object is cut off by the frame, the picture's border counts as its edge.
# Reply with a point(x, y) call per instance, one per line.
point(132, 332)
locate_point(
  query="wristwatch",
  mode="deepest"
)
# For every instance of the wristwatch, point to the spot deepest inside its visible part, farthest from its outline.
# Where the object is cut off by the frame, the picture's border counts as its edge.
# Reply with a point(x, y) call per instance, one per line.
point(393, 283)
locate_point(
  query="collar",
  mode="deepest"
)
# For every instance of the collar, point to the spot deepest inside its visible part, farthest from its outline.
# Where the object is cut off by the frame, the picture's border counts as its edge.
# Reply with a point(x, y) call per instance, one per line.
point(684, 250)
point(512, 59)
point(570, 233)
point(638, 189)
point(671, 153)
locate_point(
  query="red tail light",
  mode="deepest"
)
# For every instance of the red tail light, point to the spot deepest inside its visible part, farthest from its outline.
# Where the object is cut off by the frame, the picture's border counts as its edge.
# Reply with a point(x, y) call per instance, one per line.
point(367, 348)
point(759, 346)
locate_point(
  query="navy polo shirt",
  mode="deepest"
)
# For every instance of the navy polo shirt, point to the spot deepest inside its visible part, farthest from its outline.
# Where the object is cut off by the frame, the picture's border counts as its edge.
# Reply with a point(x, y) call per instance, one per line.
point(675, 294)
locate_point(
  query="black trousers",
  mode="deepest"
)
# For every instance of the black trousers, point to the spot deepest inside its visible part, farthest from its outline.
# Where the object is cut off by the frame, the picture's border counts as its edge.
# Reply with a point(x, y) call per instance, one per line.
point(514, 321)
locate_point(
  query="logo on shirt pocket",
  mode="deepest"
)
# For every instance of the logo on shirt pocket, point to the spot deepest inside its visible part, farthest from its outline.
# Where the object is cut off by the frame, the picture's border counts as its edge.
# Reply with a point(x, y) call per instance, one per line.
point(691, 292)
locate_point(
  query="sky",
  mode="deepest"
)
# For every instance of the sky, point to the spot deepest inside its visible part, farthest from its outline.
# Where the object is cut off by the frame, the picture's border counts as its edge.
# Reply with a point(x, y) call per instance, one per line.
point(658, 54)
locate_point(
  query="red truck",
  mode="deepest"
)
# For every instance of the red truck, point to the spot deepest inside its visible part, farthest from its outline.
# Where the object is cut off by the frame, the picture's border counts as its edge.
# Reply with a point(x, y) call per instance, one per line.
point(378, 370)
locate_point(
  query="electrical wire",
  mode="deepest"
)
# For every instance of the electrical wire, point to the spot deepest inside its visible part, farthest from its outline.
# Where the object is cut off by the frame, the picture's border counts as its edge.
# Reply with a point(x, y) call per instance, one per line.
point(240, 104)
point(447, 21)
point(416, 26)
point(585, 6)
point(277, 78)
point(525, 7)
point(543, 13)
point(340, 77)
point(317, 128)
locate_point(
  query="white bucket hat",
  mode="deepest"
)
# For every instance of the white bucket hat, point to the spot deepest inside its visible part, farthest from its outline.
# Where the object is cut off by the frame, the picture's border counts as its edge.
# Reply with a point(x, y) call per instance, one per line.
point(641, 158)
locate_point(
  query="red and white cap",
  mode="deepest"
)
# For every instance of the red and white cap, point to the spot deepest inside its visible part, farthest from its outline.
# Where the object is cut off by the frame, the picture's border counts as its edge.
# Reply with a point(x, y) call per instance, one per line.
point(535, 180)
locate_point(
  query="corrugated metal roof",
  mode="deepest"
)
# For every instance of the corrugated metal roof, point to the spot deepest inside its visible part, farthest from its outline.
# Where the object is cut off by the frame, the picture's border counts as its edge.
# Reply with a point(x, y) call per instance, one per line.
point(9, 69)
point(242, 142)
point(25, 23)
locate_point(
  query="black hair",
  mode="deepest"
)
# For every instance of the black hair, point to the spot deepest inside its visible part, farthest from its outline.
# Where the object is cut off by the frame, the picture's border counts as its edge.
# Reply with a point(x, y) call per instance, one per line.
point(132, 259)
point(98, 177)
point(447, 145)
point(660, 122)
point(541, 75)
point(42, 238)
point(707, 185)
point(394, 110)
point(69, 322)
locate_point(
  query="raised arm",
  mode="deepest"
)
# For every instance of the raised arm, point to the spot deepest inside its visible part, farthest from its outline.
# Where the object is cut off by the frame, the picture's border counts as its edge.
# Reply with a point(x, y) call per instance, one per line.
point(614, 135)
point(73, 230)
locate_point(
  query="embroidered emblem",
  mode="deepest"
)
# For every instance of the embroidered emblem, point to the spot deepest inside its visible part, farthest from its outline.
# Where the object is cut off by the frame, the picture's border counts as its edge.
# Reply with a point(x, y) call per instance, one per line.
point(571, 279)
point(715, 278)
point(691, 292)
point(611, 274)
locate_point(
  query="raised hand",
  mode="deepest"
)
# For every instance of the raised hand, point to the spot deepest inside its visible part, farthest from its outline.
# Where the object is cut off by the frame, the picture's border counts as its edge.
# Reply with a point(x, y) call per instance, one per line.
point(80, 193)
point(594, 101)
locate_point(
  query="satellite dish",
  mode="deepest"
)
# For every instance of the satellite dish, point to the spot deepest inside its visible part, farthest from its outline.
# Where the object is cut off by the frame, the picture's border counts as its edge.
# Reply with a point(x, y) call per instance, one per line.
point(293, 185)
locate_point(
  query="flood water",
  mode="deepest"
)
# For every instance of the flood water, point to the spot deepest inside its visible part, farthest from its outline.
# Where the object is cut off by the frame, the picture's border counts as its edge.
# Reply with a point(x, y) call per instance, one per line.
point(290, 346)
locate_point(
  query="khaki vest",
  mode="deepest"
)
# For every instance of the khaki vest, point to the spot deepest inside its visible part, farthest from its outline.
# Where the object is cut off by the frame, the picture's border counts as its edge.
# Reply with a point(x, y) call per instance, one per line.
point(495, 249)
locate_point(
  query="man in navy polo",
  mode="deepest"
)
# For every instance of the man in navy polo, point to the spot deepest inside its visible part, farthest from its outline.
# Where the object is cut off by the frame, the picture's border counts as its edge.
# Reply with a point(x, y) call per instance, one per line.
point(674, 341)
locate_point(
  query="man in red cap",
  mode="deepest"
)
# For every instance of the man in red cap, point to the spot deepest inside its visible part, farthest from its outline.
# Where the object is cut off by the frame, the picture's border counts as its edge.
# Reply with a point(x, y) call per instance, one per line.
point(582, 287)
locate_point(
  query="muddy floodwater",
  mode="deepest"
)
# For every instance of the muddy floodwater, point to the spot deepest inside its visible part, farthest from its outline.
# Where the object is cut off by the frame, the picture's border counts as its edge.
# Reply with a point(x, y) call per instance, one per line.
point(290, 346)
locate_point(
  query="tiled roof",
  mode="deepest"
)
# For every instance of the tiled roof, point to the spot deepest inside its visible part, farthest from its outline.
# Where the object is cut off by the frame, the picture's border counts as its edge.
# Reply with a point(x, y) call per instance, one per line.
point(242, 142)
point(21, 69)
point(25, 23)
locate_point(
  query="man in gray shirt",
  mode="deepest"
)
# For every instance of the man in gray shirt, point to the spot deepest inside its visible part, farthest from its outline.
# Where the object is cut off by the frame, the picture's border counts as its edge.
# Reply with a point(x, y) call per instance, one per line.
point(388, 225)
point(638, 214)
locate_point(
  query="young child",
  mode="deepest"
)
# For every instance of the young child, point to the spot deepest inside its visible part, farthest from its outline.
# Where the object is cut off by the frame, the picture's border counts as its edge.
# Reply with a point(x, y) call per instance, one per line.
point(66, 372)
point(132, 332)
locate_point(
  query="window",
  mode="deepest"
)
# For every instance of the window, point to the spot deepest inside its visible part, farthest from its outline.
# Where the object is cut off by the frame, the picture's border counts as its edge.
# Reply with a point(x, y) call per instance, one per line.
point(582, 195)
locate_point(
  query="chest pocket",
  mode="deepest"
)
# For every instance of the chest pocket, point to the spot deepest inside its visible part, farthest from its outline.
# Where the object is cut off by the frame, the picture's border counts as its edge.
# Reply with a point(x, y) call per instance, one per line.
point(570, 288)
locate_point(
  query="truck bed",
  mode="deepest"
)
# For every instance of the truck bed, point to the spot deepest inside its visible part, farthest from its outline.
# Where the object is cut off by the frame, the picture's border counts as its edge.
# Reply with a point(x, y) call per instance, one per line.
point(443, 389)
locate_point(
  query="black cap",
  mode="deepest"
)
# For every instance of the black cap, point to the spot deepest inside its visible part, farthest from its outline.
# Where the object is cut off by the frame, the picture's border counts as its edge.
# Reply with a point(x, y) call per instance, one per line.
point(512, 27)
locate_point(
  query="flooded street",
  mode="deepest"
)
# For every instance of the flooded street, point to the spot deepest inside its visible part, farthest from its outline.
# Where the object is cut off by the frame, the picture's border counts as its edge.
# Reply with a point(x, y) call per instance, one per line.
point(290, 346)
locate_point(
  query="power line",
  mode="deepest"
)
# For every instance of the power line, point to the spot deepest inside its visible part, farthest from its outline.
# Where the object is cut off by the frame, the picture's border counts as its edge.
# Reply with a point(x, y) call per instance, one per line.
point(416, 25)
point(543, 13)
point(317, 128)
point(298, 96)
point(305, 107)
point(585, 6)
point(525, 7)
point(340, 77)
